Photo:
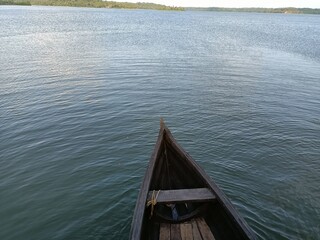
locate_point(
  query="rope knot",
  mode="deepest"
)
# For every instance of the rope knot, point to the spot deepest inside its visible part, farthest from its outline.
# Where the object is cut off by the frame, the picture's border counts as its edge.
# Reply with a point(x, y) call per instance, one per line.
point(153, 201)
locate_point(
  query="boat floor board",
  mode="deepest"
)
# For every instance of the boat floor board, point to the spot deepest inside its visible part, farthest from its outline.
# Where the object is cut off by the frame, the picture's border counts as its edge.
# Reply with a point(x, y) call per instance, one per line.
point(197, 229)
point(183, 195)
point(164, 231)
point(204, 229)
point(186, 231)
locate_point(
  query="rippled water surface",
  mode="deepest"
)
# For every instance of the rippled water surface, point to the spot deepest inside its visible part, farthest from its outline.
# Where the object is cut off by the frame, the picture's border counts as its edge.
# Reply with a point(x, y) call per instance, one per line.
point(82, 91)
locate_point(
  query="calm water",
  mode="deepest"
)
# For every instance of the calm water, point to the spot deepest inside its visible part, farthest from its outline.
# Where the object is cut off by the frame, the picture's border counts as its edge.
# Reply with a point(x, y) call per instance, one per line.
point(82, 91)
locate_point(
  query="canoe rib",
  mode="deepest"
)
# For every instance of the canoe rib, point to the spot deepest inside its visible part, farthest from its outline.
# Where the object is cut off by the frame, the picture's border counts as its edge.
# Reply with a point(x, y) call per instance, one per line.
point(184, 195)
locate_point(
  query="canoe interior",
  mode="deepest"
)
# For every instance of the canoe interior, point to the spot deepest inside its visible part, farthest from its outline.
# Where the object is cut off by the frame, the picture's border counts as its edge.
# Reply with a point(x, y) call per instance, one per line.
point(173, 170)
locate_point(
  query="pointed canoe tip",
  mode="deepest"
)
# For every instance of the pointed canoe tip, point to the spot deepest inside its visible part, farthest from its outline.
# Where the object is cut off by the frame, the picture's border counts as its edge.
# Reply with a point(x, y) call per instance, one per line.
point(162, 125)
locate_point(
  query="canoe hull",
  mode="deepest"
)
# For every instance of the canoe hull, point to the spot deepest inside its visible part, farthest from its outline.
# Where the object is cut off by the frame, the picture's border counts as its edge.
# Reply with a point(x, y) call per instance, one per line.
point(171, 168)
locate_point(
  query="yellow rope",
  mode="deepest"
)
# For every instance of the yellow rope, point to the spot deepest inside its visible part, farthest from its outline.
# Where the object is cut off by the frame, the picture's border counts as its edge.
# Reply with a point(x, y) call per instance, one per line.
point(153, 201)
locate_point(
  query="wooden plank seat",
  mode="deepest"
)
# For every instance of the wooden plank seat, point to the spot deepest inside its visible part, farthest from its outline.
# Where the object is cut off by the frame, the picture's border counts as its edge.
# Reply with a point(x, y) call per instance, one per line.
point(182, 195)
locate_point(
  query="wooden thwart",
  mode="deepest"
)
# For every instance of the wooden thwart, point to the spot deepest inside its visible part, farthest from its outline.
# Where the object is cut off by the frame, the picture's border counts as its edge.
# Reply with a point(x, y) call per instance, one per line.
point(183, 195)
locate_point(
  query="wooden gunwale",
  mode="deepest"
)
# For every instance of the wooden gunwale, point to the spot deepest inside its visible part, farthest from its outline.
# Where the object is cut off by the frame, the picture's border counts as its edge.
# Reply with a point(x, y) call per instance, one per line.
point(137, 220)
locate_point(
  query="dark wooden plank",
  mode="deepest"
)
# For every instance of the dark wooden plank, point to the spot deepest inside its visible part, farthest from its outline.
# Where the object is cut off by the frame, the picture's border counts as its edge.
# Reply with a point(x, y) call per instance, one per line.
point(186, 231)
point(183, 195)
point(204, 229)
point(175, 232)
point(164, 231)
point(195, 231)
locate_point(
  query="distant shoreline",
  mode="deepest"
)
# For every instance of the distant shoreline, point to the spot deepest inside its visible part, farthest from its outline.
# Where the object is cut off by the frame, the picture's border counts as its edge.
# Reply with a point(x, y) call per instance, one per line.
point(91, 4)
point(146, 5)
point(288, 10)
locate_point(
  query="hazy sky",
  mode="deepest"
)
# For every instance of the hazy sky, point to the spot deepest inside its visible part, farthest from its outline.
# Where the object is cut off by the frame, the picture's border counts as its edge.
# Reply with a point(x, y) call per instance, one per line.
point(235, 3)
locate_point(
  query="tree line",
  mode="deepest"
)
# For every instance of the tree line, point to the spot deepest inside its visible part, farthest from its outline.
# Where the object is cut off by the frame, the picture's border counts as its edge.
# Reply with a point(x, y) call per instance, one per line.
point(91, 3)
point(14, 2)
point(143, 5)
point(261, 10)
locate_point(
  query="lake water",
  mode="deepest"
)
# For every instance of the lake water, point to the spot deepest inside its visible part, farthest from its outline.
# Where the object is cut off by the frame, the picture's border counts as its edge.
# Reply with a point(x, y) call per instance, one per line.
point(81, 95)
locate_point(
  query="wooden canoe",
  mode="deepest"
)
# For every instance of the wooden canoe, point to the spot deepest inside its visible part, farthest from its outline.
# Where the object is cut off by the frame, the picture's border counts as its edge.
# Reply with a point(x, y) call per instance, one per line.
point(178, 200)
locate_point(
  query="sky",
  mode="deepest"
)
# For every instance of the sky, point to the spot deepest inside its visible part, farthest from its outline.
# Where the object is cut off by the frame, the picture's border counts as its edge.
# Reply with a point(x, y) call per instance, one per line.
point(235, 3)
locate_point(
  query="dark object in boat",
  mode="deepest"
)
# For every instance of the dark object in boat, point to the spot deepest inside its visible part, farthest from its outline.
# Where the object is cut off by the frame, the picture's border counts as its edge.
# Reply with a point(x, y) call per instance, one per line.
point(178, 200)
